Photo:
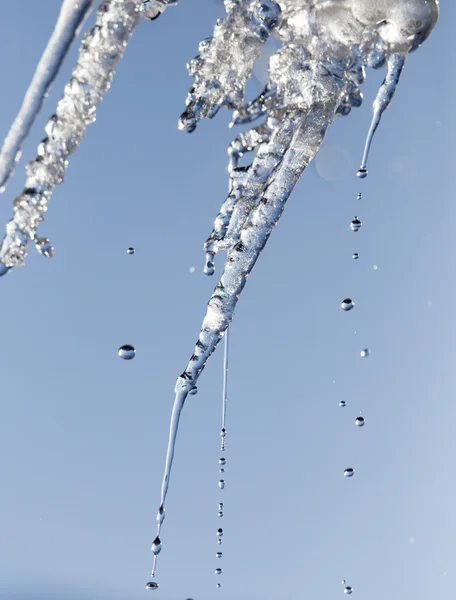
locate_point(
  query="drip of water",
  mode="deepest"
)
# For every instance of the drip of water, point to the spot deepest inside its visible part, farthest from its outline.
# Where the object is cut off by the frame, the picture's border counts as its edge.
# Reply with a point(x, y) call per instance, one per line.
point(360, 421)
point(44, 247)
point(130, 250)
point(347, 304)
point(355, 256)
point(365, 352)
point(356, 224)
point(342, 403)
point(152, 585)
point(382, 101)
point(349, 472)
point(348, 590)
point(127, 352)
point(218, 571)
point(218, 555)
point(221, 484)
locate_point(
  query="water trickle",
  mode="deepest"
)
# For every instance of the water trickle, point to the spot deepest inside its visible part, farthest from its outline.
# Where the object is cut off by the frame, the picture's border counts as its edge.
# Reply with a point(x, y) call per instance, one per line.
point(221, 484)
point(360, 421)
point(160, 515)
point(365, 352)
point(44, 247)
point(130, 250)
point(356, 224)
point(342, 403)
point(349, 472)
point(347, 304)
point(355, 256)
point(218, 571)
point(348, 590)
point(152, 585)
point(156, 546)
point(126, 352)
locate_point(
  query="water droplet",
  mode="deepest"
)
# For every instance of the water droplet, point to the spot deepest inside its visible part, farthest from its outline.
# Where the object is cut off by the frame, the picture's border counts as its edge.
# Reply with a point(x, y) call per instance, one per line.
point(130, 250)
point(152, 585)
point(219, 532)
point(218, 555)
point(355, 256)
point(44, 247)
point(126, 352)
point(348, 590)
point(221, 484)
point(355, 225)
point(156, 546)
point(222, 461)
point(161, 515)
point(347, 304)
point(193, 391)
point(375, 267)
point(219, 541)
point(360, 196)
point(359, 421)
point(220, 513)
point(219, 585)
point(344, 581)
point(342, 403)
point(362, 174)
point(349, 472)
point(221, 470)
point(220, 506)
point(223, 433)
point(192, 269)
point(365, 352)
point(218, 571)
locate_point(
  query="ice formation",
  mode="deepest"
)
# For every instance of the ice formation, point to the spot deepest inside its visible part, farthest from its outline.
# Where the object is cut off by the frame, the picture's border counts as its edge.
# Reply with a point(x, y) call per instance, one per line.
point(316, 74)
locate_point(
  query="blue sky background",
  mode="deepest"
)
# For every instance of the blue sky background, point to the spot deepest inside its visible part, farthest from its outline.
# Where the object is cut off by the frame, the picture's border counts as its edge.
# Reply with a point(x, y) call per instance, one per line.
point(83, 434)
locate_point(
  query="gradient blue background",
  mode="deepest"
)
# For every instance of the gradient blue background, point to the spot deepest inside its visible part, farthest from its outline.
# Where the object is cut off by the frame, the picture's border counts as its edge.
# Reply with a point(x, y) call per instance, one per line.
point(83, 434)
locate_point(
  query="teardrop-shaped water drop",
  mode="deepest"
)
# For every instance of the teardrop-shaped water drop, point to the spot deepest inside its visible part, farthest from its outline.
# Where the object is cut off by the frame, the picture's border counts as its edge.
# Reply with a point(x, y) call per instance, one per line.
point(365, 352)
point(44, 247)
point(152, 585)
point(356, 224)
point(219, 533)
point(130, 250)
point(222, 461)
point(221, 484)
point(126, 352)
point(348, 590)
point(161, 515)
point(359, 421)
point(342, 404)
point(355, 256)
point(349, 472)
point(218, 571)
point(218, 555)
point(347, 304)
point(156, 546)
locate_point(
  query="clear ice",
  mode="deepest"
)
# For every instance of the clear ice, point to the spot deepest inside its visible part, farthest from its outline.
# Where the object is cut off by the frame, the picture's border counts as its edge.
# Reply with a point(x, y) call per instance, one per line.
point(316, 74)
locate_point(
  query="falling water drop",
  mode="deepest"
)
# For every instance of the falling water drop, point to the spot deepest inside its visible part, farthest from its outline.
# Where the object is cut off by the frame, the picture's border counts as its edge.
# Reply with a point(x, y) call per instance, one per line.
point(365, 352)
point(130, 250)
point(355, 256)
point(375, 267)
point(221, 470)
point(362, 173)
point(152, 585)
point(156, 546)
point(218, 571)
point(342, 403)
point(222, 461)
point(126, 352)
point(347, 304)
point(359, 421)
point(356, 224)
point(219, 585)
point(344, 581)
point(220, 513)
point(219, 533)
point(360, 196)
point(220, 507)
point(349, 472)
point(218, 555)
point(44, 247)
point(221, 484)
point(348, 590)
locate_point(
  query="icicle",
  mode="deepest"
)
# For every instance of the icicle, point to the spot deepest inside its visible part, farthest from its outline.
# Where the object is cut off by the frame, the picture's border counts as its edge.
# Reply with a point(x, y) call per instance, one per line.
point(101, 49)
point(69, 23)
point(382, 101)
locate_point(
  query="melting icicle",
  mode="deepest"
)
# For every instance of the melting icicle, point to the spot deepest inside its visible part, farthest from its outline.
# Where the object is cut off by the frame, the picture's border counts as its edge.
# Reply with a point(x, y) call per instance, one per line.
point(69, 23)
point(382, 101)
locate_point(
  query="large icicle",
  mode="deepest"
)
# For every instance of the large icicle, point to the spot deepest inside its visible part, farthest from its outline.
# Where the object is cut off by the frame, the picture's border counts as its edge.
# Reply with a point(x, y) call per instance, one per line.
point(101, 49)
point(69, 22)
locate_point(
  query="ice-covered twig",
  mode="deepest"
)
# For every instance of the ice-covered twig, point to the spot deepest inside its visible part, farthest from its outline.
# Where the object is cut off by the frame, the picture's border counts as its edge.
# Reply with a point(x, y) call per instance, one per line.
point(69, 22)
point(101, 49)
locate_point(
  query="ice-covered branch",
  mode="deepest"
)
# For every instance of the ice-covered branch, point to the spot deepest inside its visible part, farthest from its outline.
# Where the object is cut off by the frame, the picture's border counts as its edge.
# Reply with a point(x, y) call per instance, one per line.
point(101, 49)
point(69, 22)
